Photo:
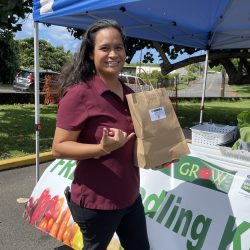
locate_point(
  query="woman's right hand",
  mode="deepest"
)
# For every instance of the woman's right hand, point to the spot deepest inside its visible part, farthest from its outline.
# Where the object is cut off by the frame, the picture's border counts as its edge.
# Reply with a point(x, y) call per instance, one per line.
point(113, 139)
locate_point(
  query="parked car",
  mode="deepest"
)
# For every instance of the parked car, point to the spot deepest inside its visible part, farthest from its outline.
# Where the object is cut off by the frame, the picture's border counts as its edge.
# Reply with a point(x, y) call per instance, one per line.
point(135, 83)
point(24, 80)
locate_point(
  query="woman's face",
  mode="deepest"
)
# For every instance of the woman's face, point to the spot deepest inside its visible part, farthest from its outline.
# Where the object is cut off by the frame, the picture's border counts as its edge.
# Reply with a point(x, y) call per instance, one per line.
point(109, 52)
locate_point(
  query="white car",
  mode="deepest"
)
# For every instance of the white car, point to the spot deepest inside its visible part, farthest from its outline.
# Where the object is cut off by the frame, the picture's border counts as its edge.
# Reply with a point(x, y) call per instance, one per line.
point(135, 83)
point(24, 80)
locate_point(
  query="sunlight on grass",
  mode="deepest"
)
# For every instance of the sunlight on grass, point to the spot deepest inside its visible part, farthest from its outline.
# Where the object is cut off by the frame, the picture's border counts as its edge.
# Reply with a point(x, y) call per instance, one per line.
point(222, 112)
point(17, 123)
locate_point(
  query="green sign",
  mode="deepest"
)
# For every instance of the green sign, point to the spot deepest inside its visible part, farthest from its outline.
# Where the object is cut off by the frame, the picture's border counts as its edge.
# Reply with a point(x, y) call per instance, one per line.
point(200, 172)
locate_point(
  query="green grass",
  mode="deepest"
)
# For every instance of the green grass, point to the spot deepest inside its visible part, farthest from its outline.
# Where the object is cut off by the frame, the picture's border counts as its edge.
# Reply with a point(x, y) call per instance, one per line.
point(222, 112)
point(17, 129)
point(17, 132)
point(241, 90)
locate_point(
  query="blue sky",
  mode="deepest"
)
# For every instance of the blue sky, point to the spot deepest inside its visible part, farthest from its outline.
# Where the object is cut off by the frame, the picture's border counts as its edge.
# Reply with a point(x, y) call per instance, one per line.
point(59, 36)
point(56, 35)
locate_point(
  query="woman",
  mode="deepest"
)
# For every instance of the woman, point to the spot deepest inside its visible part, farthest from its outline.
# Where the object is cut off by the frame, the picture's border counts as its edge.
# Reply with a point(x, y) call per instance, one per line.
point(94, 127)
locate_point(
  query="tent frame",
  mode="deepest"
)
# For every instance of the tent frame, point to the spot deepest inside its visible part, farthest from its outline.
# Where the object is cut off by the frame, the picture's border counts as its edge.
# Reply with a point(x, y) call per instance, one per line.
point(37, 97)
point(204, 87)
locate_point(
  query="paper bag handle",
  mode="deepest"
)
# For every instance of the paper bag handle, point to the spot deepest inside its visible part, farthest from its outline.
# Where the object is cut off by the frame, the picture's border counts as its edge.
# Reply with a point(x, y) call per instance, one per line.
point(137, 81)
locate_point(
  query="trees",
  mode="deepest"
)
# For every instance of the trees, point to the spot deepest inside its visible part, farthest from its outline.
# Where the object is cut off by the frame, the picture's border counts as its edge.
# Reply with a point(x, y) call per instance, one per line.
point(49, 57)
point(20, 54)
point(11, 11)
point(9, 56)
point(238, 70)
point(238, 73)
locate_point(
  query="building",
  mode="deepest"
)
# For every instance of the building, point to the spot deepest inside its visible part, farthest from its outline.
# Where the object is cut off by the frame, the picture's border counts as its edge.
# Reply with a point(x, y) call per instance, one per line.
point(147, 69)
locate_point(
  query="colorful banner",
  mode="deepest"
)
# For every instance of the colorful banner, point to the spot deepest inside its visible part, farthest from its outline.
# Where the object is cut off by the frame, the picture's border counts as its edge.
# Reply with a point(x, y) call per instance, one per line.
point(197, 203)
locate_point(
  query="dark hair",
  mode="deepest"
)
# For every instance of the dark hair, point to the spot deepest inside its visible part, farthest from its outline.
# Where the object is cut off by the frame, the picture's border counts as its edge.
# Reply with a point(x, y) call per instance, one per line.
point(82, 69)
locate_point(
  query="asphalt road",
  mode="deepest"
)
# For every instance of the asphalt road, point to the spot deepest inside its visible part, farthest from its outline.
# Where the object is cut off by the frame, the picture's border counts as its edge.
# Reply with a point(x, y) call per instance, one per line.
point(214, 88)
point(15, 232)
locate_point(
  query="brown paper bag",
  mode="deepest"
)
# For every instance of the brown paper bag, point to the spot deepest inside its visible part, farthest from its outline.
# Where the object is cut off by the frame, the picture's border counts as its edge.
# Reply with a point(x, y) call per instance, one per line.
point(160, 138)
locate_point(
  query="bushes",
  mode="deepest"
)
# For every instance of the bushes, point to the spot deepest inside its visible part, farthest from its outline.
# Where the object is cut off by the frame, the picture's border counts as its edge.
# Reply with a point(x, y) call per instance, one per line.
point(50, 89)
point(158, 79)
point(19, 97)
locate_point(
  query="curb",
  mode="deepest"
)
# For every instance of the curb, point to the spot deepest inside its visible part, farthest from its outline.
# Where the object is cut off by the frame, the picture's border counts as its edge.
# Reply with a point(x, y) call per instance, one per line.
point(25, 161)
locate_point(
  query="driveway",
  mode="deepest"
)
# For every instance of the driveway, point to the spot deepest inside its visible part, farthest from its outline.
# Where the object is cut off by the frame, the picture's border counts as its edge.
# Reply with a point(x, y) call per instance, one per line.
point(214, 88)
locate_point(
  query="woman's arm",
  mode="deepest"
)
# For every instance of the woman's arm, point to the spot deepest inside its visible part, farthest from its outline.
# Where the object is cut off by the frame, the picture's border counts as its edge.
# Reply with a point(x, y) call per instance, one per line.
point(65, 144)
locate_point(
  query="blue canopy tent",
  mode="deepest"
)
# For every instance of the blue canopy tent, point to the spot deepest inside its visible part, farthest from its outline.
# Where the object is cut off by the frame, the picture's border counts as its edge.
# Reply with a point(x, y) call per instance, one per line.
point(206, 24)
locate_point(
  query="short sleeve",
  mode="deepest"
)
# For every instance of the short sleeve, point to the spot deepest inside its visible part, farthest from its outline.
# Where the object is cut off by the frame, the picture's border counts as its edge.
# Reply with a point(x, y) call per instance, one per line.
point(72, 114)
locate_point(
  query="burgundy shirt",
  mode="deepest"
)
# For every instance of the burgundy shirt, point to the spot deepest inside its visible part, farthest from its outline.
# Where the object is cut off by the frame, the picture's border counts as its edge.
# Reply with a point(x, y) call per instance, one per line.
point(112, 181)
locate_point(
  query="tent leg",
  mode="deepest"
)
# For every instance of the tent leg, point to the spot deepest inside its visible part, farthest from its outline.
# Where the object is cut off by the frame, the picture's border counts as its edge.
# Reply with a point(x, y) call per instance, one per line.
point(204, 86)
point(37, 96)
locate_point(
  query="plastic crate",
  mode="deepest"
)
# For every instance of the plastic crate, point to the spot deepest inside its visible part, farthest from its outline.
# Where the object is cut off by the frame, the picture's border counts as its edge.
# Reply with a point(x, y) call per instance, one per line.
point(213, 134)
point(237, 154)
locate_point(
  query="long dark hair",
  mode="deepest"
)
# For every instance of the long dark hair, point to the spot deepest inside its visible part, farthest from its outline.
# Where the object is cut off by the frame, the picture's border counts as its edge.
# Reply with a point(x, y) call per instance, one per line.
point(82, 69)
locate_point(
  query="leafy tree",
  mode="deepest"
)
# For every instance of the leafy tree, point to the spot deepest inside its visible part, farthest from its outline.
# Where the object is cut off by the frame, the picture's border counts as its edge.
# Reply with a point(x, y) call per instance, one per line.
point(9, 56)
point(193, 68)
point(238, 70)
point(49, 57)
point(11, 11)
point(237, 73)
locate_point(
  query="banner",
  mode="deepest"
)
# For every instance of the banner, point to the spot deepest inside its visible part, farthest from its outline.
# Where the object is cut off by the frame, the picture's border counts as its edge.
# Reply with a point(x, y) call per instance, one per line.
point(197, 203)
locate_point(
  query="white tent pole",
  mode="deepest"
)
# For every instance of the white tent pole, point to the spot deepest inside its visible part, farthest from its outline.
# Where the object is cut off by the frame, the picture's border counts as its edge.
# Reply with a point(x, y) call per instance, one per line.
point(37, 95)
point(204, 86)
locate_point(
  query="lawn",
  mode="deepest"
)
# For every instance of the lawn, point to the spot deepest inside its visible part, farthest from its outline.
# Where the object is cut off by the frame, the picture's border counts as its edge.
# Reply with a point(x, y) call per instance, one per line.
point(222, 112)
point(17, 129)
point(241, 90)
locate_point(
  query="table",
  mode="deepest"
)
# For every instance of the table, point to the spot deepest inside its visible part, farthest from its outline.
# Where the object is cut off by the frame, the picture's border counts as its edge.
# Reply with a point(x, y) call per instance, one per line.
point(200, 202)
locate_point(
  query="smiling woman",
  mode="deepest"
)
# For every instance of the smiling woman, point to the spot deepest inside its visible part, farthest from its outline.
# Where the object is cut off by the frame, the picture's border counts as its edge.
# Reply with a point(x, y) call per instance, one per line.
point(94, 127)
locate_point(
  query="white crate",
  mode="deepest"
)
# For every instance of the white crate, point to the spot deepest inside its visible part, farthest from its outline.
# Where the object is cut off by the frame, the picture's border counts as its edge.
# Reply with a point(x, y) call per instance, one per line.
point(237, 154)
point(213, 134)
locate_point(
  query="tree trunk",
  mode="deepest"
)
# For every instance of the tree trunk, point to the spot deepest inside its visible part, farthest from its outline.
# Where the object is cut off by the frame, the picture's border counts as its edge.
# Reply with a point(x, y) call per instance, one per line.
point(236, 76)
point(223, 57)
point(239, 75)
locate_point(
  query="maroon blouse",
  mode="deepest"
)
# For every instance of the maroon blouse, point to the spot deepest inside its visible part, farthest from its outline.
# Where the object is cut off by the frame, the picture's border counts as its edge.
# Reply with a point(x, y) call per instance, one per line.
point(112, 181)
